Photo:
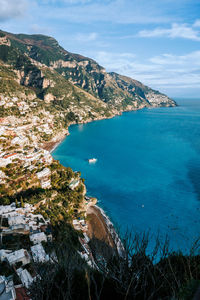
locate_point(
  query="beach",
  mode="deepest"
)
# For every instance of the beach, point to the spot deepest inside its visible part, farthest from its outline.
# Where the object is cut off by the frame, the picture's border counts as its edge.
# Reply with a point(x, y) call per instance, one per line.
point(51, 145)
point(97, 226)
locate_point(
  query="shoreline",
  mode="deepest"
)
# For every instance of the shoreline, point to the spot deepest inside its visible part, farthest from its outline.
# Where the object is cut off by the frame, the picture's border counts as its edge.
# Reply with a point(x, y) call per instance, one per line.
point(55, 142)
point(99, 224)
point(101, 228)
point(57, 139)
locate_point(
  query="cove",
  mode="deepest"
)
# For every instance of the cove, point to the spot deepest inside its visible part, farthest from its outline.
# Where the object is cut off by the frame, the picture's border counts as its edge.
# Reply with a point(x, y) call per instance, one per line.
point(147, 173)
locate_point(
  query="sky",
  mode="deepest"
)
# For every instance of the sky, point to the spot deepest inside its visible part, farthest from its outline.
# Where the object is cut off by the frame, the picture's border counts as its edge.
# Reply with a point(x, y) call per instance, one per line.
point(154, 41)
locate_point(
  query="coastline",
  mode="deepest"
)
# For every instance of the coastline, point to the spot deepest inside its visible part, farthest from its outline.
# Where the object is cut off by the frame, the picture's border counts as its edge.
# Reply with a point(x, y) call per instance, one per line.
point(55, 142)
point(101, 228)
point(99, 224)
point(57, 139)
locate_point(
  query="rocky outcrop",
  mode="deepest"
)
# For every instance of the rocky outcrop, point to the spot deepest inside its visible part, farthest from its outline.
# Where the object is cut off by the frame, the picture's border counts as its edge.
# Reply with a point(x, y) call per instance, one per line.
point(63, 64)
point(34, 78)
point(49, 97)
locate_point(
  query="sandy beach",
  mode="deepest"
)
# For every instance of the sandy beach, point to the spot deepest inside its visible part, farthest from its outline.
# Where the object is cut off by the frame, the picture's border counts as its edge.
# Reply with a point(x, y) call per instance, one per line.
point(54, 143)
point(97, 226)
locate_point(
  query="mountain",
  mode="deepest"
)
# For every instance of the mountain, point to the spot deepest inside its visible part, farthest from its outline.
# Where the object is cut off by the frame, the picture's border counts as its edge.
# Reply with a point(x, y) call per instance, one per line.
point(36, 66)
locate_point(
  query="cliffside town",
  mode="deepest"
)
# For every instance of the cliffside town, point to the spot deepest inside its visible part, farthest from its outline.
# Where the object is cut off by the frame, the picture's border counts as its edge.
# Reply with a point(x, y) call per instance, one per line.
point(44, 89)
point(32, 188)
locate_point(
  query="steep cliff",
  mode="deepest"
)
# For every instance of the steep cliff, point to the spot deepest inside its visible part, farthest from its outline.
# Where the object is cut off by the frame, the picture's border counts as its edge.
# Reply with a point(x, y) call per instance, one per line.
point(40, 64)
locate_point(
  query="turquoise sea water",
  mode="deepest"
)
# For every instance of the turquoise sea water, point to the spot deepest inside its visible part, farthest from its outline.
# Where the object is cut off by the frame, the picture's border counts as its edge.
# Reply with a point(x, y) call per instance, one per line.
point(147, 176)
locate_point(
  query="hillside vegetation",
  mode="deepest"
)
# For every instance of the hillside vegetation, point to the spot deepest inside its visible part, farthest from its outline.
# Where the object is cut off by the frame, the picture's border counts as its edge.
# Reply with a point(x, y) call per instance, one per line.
point(36, 66)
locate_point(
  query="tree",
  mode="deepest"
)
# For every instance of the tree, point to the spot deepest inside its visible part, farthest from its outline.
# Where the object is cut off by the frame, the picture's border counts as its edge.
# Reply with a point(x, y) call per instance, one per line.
point(22, 202)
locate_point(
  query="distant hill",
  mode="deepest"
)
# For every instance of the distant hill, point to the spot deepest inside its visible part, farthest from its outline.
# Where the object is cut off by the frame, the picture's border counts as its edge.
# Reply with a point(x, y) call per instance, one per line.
point(36, 66)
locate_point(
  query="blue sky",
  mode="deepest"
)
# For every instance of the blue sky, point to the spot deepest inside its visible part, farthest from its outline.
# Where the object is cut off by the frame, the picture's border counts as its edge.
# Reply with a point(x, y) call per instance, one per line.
point(156, 42)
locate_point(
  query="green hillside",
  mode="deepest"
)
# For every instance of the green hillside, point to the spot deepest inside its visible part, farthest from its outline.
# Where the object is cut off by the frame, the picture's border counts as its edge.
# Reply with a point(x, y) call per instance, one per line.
point(39, 59)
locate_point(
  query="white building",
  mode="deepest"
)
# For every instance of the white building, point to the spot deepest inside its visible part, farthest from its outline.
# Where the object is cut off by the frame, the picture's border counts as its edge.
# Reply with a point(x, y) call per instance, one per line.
point(3, 254)
point(4, 209)
point(37, 238)
point(2, 130)
point(47, 158)
point(2, 177)
point(8, 159)
point(14, 220)
point(36, 218)
point(4, 162)
point(25, 277)
point(86, 238)
point(21, 227)
point(18, 256)
point(45, 184)
point(76, 224)
point(74, 183)
point(45, 172)
point(19, 140)
point(39, 254)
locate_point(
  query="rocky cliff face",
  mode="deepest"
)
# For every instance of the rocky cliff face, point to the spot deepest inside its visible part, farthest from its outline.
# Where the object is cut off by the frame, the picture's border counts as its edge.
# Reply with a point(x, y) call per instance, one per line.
point(55, 74)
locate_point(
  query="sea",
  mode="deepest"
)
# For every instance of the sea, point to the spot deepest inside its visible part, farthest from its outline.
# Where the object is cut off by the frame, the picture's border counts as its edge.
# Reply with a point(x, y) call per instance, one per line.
point(147, 174)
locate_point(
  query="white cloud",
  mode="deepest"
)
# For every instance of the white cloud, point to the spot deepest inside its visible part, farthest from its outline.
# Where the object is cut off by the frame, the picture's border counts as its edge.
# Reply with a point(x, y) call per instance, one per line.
point(12, 9)
point(196, 23)
point(116, 62)
point(163, 72)
point(176, 31)
point(190, 59)
point(86, 37)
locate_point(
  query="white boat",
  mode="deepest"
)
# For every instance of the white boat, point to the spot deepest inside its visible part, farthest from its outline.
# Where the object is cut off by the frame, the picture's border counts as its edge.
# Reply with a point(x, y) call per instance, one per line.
point(92, 160)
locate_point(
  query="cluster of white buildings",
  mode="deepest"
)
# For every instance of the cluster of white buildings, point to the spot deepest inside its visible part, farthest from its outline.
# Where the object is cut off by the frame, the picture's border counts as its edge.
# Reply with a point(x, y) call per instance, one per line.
point(21, 219)
point(31, 225)
point(86, 253)
point(6, 159)
point(41, 156)
point(14, 101)
point(23, 107)
point(80, 225)
point(7, 101)
point(28, 161)
point(20, 140)
point(44, 177)
point(45, 128)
